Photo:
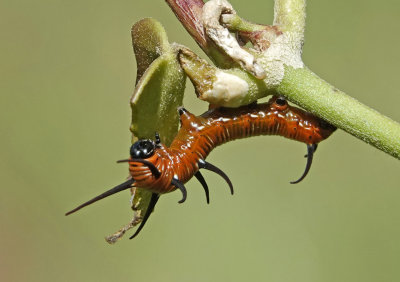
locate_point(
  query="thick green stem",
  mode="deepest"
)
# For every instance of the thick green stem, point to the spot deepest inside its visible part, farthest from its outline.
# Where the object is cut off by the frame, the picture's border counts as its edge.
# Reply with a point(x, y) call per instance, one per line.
point(306, 89)
point(290, 15)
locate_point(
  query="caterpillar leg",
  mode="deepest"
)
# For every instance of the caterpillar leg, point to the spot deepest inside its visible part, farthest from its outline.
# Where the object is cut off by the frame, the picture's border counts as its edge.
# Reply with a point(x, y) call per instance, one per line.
point(150, 208)
point(208, 166)
point(203, 182)
point(127, 184)
point(311, 148)
point(181, 187)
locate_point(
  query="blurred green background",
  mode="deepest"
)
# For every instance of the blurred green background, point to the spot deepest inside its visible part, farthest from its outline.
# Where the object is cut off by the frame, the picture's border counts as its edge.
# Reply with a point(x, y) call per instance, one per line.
point(67, 73)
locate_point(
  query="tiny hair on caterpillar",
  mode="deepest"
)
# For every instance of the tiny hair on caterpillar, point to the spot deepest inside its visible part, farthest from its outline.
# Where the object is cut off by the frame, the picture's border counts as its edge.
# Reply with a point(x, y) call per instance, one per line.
point(161, 169)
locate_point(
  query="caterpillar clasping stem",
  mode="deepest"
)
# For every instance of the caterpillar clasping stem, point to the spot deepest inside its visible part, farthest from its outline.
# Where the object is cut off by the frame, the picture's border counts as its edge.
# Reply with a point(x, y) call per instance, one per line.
point(161, 169)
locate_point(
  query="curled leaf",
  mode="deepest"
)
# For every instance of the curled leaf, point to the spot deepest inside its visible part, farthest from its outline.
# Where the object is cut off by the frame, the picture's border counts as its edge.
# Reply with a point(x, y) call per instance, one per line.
point(149, 41)
point(158, 93)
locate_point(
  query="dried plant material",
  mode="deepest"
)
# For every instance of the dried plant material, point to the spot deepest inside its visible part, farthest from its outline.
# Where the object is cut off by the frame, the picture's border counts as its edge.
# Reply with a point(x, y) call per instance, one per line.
point(212, 84)
point(139, 203)
point(259, 35)
point(221, 36)
point(113, 238)
point(228, 88)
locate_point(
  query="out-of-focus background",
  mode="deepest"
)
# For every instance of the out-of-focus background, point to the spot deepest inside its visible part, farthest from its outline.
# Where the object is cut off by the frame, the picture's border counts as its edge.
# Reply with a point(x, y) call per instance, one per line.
point(67, 73)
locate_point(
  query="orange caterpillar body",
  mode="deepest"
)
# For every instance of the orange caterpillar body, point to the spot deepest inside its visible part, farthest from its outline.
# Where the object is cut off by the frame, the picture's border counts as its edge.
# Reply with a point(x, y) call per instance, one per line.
point(162, 169)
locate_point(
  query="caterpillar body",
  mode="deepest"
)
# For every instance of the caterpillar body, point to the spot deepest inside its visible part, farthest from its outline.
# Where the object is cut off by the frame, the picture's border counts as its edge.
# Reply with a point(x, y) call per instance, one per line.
point(163, 169)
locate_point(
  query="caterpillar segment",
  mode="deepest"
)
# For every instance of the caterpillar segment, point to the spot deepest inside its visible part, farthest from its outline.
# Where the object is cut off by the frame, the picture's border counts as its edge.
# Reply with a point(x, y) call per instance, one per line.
point(162, 169)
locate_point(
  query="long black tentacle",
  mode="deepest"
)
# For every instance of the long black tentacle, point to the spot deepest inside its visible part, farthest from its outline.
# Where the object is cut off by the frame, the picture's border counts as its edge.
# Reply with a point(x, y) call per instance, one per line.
point(116, 189)
point(315, 146)
point(181, 187)
point(203, 182)
point(150, 208)
point(208, 166)
point(152, 167)
point(311, 148)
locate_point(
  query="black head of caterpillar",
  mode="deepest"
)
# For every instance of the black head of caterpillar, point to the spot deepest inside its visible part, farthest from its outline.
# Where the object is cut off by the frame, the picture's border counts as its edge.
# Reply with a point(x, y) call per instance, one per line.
point(162, 169)
point(142, 149)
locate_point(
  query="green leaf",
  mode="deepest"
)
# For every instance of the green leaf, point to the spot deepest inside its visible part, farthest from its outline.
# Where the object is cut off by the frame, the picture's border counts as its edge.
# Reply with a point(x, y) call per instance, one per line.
point(149, 41)
point(159, 90)
point(156, 98)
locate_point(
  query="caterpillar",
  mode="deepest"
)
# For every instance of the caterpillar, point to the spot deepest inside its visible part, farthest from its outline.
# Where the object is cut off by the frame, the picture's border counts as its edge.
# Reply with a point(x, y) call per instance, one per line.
point(162, 169)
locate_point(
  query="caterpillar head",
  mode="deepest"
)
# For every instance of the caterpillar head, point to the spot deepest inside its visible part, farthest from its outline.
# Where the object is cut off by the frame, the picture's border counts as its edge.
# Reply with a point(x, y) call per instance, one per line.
point(145, 148)
point(142, 149)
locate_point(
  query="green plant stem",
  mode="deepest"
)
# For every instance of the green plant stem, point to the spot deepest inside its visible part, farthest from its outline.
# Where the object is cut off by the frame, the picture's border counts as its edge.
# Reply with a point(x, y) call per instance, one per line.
point(306, 89)
point(234, 22)
point(290, 15)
